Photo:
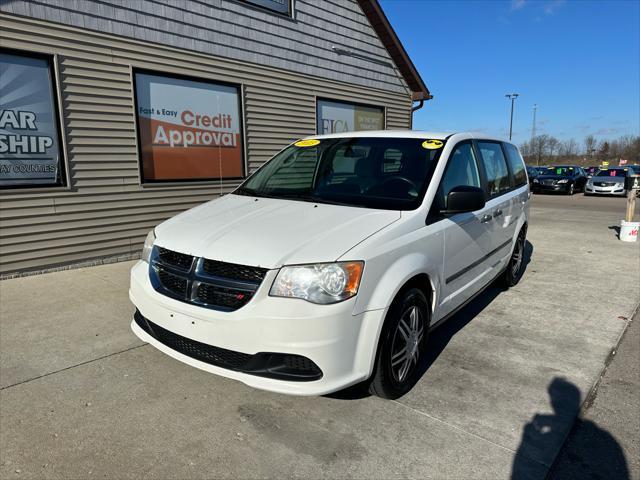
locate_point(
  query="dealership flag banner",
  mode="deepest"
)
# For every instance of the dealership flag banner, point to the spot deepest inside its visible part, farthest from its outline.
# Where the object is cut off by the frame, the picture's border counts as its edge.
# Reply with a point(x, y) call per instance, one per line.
point(29, 146)
point(188, 129)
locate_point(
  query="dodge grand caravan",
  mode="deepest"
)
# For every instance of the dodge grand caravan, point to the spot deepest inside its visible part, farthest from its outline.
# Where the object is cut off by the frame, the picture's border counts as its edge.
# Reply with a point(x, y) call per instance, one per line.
point(331, 263)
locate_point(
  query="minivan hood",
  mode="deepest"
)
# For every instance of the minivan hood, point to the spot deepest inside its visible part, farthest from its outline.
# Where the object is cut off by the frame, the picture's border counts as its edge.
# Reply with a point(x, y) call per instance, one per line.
point(269, 232)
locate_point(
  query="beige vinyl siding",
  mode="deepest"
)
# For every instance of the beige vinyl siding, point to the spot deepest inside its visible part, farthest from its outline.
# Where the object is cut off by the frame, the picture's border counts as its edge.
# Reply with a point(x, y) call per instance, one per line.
point(105, 211)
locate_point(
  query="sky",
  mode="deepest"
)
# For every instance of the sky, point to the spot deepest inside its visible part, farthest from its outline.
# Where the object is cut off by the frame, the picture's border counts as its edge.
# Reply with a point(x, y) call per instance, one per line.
point(578, 60)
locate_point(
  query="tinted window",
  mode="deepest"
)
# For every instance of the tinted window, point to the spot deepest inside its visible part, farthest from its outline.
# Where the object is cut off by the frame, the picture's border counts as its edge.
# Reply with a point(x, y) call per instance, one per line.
point(496, 167)
point(517, 165)
point(560, 171)
point(462, 169)
point(612, 172)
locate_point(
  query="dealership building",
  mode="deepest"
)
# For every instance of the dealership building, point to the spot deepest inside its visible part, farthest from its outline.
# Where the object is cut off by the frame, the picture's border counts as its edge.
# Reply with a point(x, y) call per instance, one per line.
point(116, 115)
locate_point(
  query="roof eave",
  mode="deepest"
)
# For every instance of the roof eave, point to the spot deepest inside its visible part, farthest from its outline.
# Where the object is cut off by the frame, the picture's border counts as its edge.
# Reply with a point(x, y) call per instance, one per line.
point(392, 43)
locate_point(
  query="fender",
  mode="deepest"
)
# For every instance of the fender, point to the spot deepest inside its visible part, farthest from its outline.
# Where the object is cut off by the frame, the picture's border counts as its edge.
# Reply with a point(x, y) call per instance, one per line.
point(384, 281)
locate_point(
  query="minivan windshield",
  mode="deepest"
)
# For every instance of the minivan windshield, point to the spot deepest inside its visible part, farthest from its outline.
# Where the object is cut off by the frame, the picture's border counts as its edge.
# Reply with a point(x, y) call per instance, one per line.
point(612, 172)
point(371, 172)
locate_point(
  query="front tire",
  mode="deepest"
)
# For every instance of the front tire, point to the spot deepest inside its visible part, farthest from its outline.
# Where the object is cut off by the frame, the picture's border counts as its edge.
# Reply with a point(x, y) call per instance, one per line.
point(571, 190)
point(402, 345)
point(513, 273)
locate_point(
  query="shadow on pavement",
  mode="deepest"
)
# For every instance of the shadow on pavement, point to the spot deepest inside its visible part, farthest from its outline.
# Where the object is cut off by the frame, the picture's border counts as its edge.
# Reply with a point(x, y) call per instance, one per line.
point(616, 229)
point(589, 451)
point(442, 335)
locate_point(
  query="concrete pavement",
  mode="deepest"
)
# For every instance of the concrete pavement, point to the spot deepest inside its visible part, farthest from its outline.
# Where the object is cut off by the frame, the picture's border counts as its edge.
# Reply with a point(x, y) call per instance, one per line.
point(82, 397)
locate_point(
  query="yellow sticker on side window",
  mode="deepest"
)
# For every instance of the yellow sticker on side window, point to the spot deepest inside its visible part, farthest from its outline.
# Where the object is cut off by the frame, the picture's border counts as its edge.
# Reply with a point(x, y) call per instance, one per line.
point(307, 143)
point(432, 144)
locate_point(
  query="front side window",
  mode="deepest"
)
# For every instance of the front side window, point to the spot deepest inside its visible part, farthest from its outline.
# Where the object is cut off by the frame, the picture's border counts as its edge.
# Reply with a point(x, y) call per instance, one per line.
point(495, 166)
point(30, 147)
point(188, 129)
point(341, 117)
point(462, 170)
point(517, 165)
point(349, 171)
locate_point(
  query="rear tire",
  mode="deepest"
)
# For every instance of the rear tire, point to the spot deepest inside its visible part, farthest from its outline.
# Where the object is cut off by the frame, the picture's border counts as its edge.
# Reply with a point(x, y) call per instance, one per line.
point(513, 273)
point(402, 345)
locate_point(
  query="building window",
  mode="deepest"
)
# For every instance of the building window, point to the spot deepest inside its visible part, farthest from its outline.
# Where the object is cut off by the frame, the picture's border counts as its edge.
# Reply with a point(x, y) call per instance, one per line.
point(188, 129)
point(337, 117)
point(30, 141)
point(277, 6)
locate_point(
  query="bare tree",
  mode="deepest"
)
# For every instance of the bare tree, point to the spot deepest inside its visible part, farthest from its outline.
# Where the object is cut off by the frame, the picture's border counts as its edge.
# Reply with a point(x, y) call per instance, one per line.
point(590, 143)
point(568, 148)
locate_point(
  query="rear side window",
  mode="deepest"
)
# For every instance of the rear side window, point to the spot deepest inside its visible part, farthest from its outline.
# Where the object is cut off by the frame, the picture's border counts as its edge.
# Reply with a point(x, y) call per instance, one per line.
point(517, 165)
point(462, 169)
point(495, 166)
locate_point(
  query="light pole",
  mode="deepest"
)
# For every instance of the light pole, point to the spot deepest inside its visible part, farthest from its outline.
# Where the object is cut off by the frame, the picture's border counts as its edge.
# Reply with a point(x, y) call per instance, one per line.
point(512, 97)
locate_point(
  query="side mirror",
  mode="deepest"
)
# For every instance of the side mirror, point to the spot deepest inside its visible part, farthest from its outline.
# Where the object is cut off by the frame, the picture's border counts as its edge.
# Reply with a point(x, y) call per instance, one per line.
point(464, 198)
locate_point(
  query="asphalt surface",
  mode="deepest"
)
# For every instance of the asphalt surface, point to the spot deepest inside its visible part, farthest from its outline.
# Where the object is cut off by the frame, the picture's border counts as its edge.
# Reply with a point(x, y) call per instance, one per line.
point(82, 397)
point(605, 441)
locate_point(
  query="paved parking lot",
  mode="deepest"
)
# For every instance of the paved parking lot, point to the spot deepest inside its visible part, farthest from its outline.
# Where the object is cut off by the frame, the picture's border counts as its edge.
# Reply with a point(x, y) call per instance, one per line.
point(82, 397)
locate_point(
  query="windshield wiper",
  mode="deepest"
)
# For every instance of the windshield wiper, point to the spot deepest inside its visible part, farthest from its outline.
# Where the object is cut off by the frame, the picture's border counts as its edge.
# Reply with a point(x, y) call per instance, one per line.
point(250, 192)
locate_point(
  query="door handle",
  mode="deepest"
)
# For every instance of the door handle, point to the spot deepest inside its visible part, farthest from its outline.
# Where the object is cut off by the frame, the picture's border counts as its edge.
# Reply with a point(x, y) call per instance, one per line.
point(485, 218)
point(497, 213)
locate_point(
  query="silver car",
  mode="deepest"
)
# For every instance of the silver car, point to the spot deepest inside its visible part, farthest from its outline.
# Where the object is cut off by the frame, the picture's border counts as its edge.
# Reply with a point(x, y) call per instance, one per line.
point(610, 181)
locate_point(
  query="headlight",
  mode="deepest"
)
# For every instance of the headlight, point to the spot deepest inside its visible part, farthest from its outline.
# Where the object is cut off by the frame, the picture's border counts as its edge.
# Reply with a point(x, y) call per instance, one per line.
point(563, 181)
point(321, 283)
point(148, 246)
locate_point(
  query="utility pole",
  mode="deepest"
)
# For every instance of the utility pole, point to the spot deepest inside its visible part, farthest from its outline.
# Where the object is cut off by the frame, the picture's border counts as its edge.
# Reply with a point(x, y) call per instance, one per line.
point(533, 128)
point(512, 97)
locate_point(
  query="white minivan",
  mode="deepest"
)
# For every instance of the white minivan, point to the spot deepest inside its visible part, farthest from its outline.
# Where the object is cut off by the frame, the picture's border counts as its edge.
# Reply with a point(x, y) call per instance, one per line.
point(331, 263)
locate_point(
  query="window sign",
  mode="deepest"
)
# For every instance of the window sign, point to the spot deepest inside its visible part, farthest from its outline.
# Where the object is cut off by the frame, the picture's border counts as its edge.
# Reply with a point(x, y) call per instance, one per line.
point(278, 6)
point(188, 129)
point(339, 117)
point(30, 151)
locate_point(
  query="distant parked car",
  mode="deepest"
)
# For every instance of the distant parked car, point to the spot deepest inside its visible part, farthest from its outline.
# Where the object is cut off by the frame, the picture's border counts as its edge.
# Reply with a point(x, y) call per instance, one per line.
point(635, 168)
point(566, 179)
point(591, 171)
point(532, 172)
point(610, 181)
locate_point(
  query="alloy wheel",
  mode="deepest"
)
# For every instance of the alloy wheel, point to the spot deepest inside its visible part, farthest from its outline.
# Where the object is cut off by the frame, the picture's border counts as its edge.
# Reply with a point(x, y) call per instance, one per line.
point(518, 254)
point(405, 347)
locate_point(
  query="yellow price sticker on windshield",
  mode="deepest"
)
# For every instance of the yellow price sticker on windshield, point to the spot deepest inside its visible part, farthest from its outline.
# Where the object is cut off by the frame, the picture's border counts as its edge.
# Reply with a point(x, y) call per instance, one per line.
point(432, 144)
point(307, 143)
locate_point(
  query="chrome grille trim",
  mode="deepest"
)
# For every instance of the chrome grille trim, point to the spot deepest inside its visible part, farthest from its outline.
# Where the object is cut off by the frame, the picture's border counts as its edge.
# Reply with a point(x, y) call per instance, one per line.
point(169, 276)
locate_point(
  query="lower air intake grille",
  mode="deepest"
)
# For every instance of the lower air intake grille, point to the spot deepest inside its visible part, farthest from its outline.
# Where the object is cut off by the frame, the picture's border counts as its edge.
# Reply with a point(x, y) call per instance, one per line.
point(200, 351)
point(281, 366)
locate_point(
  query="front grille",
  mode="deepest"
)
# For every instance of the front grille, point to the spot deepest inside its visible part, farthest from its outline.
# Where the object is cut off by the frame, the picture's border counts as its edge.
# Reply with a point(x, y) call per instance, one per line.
point(548, 182)
point(207, 283)
point(174, 283)
point(221, 296)
point(232, 270)
point(175, 259)
point(604, 184)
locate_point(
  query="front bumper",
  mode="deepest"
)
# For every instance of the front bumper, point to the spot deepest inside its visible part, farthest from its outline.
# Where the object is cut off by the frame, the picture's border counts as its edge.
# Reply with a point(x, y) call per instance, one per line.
point(613, 190)
point(340, 344)
point(562, 187)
